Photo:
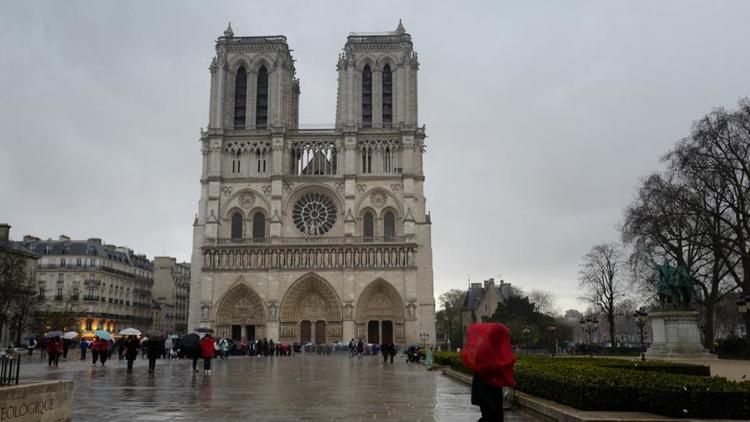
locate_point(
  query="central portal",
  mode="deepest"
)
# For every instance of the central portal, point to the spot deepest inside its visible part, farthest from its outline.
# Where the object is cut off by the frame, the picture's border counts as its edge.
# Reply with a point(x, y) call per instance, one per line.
point(310, 312)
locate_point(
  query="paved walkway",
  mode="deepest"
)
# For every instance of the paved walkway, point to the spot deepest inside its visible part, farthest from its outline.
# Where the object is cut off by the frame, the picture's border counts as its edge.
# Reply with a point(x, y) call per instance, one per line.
point(303, 387)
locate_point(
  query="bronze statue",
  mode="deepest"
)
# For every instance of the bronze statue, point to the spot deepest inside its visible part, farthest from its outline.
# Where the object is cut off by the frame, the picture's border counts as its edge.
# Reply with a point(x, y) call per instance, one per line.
point(674, 286)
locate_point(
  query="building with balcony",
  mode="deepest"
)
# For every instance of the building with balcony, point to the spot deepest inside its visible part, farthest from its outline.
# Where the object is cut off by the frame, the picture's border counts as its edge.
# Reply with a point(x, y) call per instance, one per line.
point(105, 286)
point(313, 235)
point(172, 288)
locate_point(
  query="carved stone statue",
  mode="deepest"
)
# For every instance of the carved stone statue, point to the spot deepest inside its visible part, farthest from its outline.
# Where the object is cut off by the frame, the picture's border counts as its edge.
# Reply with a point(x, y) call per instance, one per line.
point(674, 287)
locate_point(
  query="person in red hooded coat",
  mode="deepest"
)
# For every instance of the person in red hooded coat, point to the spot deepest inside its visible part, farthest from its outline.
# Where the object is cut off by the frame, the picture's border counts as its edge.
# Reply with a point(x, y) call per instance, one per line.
point(207, 352)
point(489, 355)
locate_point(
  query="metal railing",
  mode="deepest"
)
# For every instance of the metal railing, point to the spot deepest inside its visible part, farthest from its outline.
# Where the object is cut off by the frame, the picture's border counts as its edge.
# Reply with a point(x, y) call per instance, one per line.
point(10, 367)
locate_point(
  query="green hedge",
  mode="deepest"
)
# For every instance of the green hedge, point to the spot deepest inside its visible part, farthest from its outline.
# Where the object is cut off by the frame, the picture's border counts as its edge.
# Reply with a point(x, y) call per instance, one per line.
point(664, 388)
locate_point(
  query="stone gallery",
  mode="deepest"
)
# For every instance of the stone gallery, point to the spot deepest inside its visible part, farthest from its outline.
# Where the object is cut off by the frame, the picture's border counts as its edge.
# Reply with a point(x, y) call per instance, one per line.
point(313, 235)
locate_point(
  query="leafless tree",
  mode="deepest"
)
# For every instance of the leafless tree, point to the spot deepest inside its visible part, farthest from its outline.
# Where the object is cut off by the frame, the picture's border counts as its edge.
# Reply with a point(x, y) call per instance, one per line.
point(602, 275)
point(17, 294)
point(544, 301)
point(670, 221)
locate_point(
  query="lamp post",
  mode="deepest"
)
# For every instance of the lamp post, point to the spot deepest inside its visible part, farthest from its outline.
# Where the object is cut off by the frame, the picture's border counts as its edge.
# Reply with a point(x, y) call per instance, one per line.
point(424, 337)
point(553, 338)
point(641, 316)
point(589, 326)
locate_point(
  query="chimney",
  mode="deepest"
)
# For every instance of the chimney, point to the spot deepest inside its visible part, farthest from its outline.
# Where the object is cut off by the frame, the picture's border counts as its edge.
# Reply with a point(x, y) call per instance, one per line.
point(488, 283)
point(63, 238)
point(94, 240)
point(30, 238)
point(4, 232)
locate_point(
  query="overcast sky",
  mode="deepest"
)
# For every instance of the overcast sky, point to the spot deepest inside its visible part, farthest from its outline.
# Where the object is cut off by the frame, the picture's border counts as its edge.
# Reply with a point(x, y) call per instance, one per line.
point(541, 116)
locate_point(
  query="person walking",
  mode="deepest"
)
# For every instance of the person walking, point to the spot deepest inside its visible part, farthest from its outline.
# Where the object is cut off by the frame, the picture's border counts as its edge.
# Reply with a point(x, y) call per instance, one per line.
point(207, 352)
point(83, 346)
point(168, 348)
point(103, 350)
point(31, 345)
point(392, 351)
point(65, 347)
point(94, 350)
point(385, 348)
point(352, 348)
point(154, 349)
point(489, 355)
point(54, 347)
point(360, 349)
point(121, 348)
point(224, 345)
point(131, 351)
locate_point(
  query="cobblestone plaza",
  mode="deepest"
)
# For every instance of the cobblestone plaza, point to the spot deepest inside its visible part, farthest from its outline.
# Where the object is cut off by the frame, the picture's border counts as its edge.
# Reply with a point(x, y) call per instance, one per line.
point(302, 387)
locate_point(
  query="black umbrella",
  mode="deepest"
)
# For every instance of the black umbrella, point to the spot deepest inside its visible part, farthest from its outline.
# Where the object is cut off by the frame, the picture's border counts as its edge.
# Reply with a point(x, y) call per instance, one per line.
point(56, 333)
point(190, 343)
point(204, 330)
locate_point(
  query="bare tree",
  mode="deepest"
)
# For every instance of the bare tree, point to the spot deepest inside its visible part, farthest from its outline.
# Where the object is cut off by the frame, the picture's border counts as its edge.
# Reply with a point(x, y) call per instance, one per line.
point(544, 301)
point(715, 159)
point(602, 275)
point(17, 295)
point(671, 222)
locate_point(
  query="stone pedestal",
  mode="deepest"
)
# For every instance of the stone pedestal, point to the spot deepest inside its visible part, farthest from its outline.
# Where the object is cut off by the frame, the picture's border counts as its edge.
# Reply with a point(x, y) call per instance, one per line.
point(39, 402)
point(676, 335)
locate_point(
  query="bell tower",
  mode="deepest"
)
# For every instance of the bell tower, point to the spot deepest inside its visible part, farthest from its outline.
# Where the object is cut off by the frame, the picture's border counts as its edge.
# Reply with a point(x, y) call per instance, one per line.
point(377, 82)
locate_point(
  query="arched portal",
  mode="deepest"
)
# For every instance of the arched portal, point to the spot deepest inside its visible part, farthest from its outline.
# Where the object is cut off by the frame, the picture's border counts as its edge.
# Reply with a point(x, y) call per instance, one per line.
point(311, 311)
point(241, 314)
point(380, 313)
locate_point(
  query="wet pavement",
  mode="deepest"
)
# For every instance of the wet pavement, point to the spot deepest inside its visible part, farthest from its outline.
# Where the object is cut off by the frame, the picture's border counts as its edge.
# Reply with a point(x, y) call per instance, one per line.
point(302, 387)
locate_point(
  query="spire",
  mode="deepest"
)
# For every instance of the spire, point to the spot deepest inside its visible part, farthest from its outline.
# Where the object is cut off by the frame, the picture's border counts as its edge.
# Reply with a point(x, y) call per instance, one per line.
point(228, 33)
point(400, 28)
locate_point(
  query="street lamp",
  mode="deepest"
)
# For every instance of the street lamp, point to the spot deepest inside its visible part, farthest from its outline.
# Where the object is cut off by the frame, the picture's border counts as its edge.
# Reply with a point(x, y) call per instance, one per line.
point(641, 316)
point(553, 338)
point(589, 326)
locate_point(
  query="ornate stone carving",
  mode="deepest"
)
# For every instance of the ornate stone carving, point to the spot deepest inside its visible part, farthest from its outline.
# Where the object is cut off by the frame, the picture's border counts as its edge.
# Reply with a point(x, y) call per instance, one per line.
point(272, 311)
point(287, 187)
point(378, 199)
point(348, 311)
point(247, 199)
point(361, 188)
point(205, 311)
point(396, 187)
point(226, 190)
point(339, 187)
point(266, 190)
point(411, 310)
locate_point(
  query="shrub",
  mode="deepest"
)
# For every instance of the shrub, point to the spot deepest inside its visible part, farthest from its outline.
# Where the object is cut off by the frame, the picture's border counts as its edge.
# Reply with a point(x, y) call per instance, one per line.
point(666, 388)
point(445, 358)
point(731, 346)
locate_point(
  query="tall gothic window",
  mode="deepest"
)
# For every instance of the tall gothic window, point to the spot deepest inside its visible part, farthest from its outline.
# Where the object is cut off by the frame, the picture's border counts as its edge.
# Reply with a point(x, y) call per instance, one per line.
point(236, 226)
point(368, 228)
point(389, 226)
point(259, 226)
point(366, 160)
point(240, 97)
point(367, 97)
point(387, 96)
point(236, 161)
point(261, 99)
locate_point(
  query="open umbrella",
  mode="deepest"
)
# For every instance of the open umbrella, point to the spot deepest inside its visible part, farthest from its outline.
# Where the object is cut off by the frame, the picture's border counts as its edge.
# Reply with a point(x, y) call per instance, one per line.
point(130, 332)
point(104, 335)
point(70, 335)
point(56, 333)
point(204, 330)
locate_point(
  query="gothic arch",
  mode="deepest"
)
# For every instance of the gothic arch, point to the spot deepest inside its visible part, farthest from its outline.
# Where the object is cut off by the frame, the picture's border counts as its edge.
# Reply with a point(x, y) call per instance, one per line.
point(232, 203)
point(379, 300)
point(393, 203)
point(311, 298)
point(240, 305)
point(303, 188)
point(239, 61)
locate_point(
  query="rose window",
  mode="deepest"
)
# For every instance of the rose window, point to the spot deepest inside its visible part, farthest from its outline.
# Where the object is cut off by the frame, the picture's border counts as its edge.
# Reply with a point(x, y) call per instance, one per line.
point(314, 214)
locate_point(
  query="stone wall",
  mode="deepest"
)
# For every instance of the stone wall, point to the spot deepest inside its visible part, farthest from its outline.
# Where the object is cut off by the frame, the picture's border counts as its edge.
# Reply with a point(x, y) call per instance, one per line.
point(41, 402)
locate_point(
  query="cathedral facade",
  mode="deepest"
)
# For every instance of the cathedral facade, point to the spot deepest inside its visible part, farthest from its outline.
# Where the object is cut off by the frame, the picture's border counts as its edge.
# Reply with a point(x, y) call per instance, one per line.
point(313, 235)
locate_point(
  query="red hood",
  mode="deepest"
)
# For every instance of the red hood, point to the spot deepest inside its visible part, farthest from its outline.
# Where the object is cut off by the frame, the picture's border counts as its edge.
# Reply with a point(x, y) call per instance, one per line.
point(488, 353)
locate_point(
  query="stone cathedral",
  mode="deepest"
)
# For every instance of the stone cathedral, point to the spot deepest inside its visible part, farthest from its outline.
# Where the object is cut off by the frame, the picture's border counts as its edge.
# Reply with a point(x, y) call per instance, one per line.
point(313, 235)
